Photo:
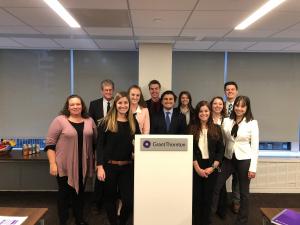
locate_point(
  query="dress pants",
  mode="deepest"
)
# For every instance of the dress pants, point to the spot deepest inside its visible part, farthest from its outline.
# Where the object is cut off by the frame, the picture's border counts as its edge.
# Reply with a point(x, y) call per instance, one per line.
point(67, 196)
point(241, 167)
point(118, 184)
point(202, 195)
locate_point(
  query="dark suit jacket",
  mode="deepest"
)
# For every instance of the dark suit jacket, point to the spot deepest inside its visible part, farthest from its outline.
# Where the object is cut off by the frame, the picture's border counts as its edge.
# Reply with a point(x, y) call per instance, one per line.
point(96, 110)
point(177, 126)
point(151, 109)
point(215, 148)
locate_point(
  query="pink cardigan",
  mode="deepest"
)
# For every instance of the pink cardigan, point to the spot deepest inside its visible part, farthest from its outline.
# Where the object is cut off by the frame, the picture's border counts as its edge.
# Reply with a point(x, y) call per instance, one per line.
point(142, 116)
point(62, 134)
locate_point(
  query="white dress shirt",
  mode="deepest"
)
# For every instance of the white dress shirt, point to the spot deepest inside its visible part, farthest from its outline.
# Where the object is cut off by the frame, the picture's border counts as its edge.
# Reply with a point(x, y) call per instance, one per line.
point(245, 144)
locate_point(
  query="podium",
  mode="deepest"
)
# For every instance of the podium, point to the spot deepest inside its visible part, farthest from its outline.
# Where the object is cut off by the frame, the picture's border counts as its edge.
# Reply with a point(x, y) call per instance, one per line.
point(163, 168)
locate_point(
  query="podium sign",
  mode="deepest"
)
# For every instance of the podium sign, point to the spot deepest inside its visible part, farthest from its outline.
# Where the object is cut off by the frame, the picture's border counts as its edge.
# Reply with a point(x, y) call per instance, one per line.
point(163, 168)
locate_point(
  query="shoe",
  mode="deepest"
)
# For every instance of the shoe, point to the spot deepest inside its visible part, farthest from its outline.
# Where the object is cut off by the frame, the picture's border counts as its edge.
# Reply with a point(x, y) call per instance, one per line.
point(235, 207)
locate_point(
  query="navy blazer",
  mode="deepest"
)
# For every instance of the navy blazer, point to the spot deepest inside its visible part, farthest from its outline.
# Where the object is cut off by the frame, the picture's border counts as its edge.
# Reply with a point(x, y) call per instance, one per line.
point(215, 148)
point(96, 110)
point(177, 126)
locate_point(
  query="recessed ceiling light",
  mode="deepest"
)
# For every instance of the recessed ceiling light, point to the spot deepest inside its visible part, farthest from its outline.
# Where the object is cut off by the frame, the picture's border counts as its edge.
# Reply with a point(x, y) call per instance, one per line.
point(263, 10)
point(62, 12)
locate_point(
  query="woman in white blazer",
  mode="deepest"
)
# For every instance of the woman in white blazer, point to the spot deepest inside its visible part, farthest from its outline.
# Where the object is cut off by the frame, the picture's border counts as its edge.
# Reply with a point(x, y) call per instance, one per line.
point(240, 133)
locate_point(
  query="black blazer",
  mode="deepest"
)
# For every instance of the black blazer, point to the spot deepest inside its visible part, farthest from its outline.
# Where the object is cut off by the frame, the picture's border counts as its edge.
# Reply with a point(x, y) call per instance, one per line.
point(215, 148)
point(177, 126)
point(96, 110)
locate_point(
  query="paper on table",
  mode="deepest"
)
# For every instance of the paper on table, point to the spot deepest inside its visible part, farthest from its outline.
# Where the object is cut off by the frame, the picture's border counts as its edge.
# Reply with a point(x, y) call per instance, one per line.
point(12, 220)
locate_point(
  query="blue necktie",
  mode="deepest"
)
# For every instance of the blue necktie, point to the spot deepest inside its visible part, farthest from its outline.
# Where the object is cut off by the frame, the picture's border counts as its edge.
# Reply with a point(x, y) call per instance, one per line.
point(168, 120)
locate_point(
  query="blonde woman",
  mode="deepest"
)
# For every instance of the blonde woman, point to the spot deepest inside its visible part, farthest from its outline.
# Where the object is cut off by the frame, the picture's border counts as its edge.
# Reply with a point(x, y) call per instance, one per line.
point(114, 157)
point(139, 108)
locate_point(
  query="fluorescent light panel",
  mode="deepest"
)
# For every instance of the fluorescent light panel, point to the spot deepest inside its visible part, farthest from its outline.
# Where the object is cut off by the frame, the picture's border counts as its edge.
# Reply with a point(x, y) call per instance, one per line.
point(263, 10)
point(62, 12)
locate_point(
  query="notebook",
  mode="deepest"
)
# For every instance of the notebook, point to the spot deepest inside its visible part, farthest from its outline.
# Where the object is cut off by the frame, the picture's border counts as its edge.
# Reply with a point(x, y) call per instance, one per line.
point(287, 217)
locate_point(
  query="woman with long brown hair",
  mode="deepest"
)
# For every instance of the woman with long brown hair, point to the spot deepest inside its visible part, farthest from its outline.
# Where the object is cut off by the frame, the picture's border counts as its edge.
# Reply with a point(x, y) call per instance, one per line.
point(208, 151)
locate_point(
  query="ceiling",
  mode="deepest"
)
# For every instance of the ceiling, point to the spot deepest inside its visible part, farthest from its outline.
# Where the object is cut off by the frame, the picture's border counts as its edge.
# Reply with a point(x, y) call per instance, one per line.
point(192, 25)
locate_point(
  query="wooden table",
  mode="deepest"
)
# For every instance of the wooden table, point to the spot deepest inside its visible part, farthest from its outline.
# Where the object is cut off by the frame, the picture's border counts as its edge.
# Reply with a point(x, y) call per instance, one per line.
point(269, 213)
point(35, 215)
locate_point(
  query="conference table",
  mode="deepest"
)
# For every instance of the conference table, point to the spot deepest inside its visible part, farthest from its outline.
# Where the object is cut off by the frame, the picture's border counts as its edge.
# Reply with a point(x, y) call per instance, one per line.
point(34, 215)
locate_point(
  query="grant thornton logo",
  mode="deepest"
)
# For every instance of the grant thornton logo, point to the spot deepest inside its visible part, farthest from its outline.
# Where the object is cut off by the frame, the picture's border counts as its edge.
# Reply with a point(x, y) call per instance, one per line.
point(146, 144)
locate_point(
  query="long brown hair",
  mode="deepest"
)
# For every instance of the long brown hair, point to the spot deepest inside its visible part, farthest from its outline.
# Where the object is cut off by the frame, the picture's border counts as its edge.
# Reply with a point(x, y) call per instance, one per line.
point(196, 129)
point(223, 112)
point(110, 120)
point(244, 100)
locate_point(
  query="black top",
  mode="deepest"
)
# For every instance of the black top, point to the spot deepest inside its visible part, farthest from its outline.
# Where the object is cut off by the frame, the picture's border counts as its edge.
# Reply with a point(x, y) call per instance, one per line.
point(115, 146)
point(79, 129)
point(153, 107)
point(215, 148)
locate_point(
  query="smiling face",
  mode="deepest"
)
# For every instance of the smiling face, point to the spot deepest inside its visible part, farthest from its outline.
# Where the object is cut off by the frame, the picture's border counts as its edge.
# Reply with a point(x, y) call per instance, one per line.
point(168, 101)
point(231, 92)
point(184, 99)
point(75, 106)
point(134, 95)
point(107, 92)
point(122, 106)
point(240, 109)
point(217, 106)
point(154, 90)
point(204, 114)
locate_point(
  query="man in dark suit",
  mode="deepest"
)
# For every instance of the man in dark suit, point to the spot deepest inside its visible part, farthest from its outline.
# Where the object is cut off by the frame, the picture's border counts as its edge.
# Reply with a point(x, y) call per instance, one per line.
point(168, 120)
point(153, 104)
point(99, 107)
point(97, 110)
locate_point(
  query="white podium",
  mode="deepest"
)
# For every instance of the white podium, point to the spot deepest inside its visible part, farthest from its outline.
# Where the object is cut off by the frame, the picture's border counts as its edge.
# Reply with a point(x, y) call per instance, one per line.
point(163, 168)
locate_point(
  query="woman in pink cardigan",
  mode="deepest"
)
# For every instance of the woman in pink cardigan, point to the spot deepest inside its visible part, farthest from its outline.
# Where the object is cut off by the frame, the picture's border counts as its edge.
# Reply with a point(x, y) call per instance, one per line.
point(69, 145)
point(139, 108)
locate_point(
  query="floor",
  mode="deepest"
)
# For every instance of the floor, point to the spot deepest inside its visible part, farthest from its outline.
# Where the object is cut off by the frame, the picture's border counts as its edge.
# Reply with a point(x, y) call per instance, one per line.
point(96, 217)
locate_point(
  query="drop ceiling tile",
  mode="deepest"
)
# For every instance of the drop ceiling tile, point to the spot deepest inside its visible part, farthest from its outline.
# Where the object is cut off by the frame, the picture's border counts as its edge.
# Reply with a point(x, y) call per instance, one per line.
point(288, 34)
point(224, 5)
point(37, 42)
point(290, 5)
point(49, 30)
point(7, 42)
point(17, 30)
point(231, 45)
point(277, 21)
point(156, 32)
point(8, 20)
point(293, 48)
point(193, 45)
point(116, 44)
point(270, 46)
point(202, 33)
point(162, 5)
point(158, 19)
point(215, 19)
point(109, 31)
point(77, 43)
point(250, 33)
point(38, 16)
point(95, 4)
point(22, 3)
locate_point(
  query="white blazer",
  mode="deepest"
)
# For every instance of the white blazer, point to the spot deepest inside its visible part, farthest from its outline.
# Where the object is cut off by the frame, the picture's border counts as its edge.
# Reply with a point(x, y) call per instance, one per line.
point(246, 143)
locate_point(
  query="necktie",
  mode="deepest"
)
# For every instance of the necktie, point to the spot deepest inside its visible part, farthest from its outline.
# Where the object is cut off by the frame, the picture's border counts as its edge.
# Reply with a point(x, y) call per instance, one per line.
point(168, 120)
point(229, 109)
point(108, 107)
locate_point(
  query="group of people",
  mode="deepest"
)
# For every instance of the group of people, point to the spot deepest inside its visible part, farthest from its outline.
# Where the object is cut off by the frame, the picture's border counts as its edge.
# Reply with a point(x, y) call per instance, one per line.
point(225, 142)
